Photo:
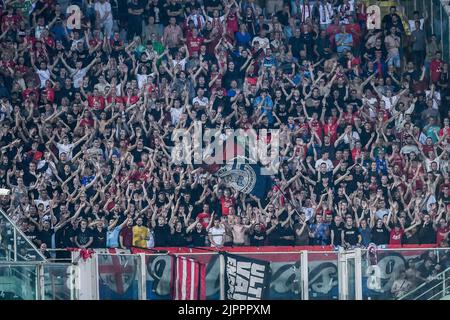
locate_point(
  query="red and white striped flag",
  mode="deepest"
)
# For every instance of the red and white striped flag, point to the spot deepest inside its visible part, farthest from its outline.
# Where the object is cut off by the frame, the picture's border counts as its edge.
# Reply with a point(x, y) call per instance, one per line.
point(188, 279)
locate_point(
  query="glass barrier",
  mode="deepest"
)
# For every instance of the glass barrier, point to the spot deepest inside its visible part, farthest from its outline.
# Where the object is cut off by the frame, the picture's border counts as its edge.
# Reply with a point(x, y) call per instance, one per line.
point(323, 275)
point(14, 245)
point(18, 282)
point(118, 276)
point(392, 273)
point(56, 280)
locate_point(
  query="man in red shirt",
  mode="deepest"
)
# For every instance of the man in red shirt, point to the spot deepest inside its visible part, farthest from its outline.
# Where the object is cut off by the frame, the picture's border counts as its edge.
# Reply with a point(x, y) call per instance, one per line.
point(442, 232)
point(204, 217)
point(435, 67)
point(126, 235)
point(227, 201)
point(194, 42)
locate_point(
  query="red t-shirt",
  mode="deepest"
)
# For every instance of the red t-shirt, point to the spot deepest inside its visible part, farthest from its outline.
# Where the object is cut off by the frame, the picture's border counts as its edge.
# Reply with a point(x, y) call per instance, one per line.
point(99, 99)
point(204, 219)
point(440, 234)
point(116, 99)
point(395, 237)
point(87, 122)
point(331, 130)
point(127, 236)
point(355, 153)
point(435, 70)
point(226, 203)
point(316, 127)
point(444, 131)
point(49, 93)
point(194, 44)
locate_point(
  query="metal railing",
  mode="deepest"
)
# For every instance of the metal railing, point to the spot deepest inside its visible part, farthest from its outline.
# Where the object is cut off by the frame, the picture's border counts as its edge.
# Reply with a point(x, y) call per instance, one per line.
point(18, 247)
point(36, 281)
point(435, 288)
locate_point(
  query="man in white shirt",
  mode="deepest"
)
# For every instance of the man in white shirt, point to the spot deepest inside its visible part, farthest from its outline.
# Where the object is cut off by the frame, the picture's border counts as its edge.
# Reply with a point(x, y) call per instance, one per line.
point(262, 40)
point(412, 23)
point(216, 234)
point(325, 160)
point(200, 98)
point(78, 73)
point(104, 17)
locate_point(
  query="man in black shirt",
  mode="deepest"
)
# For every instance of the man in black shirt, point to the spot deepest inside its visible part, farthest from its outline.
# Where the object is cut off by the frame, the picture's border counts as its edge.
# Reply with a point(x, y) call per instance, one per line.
point(83, 236)
point(135, 11)
point(199, 235)
point(336, 228)
point(99, 235)
point(427, 235)
point(296, 44)
point(350, 234)
point(161, 233)
point(45, 235)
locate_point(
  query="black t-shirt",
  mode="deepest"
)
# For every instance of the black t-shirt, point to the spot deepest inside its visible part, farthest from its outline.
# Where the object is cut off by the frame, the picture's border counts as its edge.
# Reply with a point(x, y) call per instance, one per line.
point(99, 238)
point(351, 235)
point(33, 235)
point(162, 235)
point(427, 235)
point(136, 6)
point(83, 236)
point(46, 237)
point(63, 235)
point(337, 230)
point(178, 239)
point(258, 238)
point(199, 238)
point(229, 76)
point(380, 235)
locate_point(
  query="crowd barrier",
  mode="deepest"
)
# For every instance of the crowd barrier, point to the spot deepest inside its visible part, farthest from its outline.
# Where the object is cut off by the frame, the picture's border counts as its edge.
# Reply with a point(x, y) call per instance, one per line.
point(297, 273)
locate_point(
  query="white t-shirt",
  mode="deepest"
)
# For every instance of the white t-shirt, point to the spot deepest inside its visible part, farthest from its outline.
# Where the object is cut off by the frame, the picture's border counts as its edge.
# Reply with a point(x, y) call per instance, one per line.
point(141, 80)
point(217, 235)
point(203, 102)
point(103, 9)
point(44, 75)
point(389, 102)
point(175, 113)
point(412, 24)
point(181, 63)
point(328, 163)
point(66, 148)
point(77, 77)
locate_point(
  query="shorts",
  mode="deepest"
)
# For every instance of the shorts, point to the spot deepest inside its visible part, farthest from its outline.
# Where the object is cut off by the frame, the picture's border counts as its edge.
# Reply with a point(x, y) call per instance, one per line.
point(395, 61)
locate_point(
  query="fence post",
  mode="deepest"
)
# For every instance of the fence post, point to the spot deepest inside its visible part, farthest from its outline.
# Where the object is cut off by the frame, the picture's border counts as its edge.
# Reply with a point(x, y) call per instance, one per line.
point(432, 16)
point(304, 274)
point(40, 282)
point(222, 276)
point(15, 244)
point(444, 288)
point(142, 277)
point(358, 274)
point(342, 275)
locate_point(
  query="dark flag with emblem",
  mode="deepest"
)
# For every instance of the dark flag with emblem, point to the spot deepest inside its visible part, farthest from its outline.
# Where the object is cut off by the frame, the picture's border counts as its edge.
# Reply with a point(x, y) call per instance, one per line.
point(246, 177)
point(245, 278)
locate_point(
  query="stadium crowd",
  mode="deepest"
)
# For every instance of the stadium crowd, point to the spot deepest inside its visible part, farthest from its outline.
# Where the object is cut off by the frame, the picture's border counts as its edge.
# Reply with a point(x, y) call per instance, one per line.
point(87, 117)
